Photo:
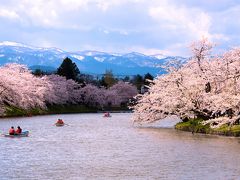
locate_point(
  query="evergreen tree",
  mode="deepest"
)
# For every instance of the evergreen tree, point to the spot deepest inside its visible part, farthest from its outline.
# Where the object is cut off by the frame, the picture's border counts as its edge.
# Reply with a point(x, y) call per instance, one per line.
point(126, 79)
point(147, 77)
point(138, 81)
point(68, 69)
point(38, 72)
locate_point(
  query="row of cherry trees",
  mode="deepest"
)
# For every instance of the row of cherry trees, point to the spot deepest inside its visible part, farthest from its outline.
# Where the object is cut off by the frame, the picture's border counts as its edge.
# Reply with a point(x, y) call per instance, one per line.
point(206, 86)
point(20, 88)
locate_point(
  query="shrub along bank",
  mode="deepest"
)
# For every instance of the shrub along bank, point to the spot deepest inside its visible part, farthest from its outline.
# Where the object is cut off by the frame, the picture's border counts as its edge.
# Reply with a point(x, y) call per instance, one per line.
point(195, 126)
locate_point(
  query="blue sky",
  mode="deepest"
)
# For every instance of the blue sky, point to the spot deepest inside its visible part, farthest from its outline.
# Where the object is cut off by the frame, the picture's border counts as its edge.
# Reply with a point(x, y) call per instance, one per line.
point(146, 26)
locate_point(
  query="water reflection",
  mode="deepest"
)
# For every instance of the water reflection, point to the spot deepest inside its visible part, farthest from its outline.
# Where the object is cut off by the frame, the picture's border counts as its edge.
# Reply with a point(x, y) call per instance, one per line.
point(93, 147)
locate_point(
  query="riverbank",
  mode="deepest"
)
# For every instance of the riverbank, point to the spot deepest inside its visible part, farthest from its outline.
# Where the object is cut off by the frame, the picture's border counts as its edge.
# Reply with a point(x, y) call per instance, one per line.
point(58, 109)
point(195, 126)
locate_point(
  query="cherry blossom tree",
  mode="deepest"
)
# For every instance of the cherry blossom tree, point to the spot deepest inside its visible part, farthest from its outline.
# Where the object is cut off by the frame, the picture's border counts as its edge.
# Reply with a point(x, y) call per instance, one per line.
point(89, 95)
point(124, 91)
point(59, 90)
point(19, 88)
point(101, 97)
point(205, 86)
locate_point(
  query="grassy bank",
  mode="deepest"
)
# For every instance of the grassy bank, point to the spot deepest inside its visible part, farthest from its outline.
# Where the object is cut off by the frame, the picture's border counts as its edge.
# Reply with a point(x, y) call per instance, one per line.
point(67, 109)
point(195, 126)
point(15, 112)
point(56, 109)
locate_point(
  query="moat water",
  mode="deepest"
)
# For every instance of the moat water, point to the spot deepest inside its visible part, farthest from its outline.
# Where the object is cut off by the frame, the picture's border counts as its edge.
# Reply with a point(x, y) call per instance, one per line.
point(93, 147)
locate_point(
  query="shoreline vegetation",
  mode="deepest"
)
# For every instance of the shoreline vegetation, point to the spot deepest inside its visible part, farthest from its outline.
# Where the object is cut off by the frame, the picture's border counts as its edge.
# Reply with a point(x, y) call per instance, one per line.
point(58, 109)
point(196, 126)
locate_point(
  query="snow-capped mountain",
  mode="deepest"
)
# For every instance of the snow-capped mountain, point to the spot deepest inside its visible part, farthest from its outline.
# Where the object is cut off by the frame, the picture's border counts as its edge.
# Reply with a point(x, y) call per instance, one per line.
point(92, 62)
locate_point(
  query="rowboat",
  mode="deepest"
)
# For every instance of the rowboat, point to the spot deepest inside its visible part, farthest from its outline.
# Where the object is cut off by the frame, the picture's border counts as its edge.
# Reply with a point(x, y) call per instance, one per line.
point(23, 134)
point(59, 124)
point(107, 115)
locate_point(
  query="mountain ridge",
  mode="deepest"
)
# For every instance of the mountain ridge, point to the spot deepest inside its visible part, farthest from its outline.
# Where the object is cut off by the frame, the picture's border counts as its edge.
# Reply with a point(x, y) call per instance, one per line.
point(87, 61)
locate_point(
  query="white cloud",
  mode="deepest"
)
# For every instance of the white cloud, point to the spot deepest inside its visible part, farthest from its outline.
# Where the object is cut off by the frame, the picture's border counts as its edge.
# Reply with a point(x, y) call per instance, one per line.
point(193, 22)
point(106, 31)
point(147, 26)
point(9, 14)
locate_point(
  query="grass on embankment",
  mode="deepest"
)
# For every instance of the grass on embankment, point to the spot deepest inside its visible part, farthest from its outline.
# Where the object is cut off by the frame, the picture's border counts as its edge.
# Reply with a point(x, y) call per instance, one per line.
point(56, 109)
point(195, 126)
point(67, 109)
point(53, 109)
point(15, 112)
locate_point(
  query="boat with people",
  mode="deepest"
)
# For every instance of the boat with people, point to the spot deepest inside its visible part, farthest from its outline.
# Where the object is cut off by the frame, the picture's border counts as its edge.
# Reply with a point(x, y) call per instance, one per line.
point(22, 134)
point(60, 122)
point(107, 114)
point(16, 133)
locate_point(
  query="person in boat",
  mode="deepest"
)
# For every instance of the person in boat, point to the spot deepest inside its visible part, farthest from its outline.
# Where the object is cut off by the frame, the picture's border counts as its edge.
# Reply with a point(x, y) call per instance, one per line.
point(11, 131)
point(107, 114)
point(18, 131)
point(59, 121)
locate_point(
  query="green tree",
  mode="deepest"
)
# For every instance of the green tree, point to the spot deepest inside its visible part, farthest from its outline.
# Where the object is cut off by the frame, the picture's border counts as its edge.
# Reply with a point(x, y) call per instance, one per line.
point(138, 81)
point(126, 79)
point(68, 69)
point(38, 72)
point(108, 78)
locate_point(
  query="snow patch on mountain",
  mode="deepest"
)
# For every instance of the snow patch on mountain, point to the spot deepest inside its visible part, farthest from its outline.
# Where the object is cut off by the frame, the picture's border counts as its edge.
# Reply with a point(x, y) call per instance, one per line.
point(9, 43)
point(100, 59)
point(159, 56)
point(17, 46)
point(115, 54)
point(92, 53)
point(79, 57)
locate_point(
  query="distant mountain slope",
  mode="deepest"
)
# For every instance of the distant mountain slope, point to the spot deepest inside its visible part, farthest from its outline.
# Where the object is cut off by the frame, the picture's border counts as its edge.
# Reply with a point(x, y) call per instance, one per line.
point(92, 62)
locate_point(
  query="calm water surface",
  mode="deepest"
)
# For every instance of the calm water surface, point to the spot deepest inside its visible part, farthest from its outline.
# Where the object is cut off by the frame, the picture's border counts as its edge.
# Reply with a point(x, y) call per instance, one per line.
point(93, 147)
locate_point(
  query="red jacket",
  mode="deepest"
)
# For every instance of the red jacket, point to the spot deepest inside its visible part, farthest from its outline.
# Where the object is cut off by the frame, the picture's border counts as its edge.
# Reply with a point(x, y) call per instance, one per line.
point(60, 121)
point(11, 131)
point(19, 131)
